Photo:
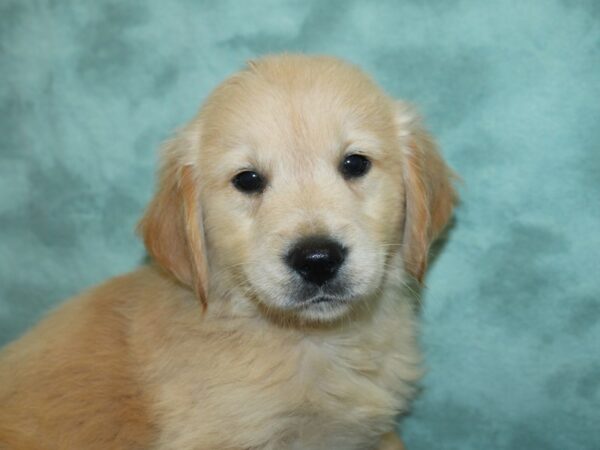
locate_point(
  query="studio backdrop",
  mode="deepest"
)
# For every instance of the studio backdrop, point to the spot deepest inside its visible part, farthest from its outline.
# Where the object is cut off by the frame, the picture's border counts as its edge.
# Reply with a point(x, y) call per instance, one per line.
point(511, 89)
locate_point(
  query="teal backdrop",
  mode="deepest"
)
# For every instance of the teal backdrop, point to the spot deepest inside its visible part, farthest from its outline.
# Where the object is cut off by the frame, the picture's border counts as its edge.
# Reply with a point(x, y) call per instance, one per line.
point(511, 89)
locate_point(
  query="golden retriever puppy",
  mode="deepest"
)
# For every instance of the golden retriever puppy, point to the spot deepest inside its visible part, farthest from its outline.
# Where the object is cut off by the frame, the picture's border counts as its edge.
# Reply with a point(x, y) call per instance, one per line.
point(289, 214)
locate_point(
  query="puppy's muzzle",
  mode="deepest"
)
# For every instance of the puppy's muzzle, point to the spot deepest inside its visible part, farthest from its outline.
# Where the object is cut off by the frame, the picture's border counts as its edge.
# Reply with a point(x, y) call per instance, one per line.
point(317, 259)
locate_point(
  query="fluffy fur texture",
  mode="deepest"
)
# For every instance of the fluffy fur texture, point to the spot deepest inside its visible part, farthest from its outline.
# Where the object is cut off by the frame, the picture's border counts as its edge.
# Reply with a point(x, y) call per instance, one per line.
point(136, 363)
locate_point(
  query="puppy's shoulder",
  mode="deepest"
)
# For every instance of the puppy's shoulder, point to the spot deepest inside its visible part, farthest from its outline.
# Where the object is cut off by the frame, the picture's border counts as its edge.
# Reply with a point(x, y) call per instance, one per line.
point(74, 377)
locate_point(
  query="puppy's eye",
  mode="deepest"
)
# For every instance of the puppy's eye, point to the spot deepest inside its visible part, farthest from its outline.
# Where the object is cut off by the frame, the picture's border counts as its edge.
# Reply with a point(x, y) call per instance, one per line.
point(249, 182)
point(354, 166)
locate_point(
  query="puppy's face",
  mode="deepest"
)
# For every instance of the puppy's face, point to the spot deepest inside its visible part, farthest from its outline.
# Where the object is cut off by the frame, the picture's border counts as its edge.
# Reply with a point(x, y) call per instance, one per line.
point(302, 193)
point(301, 170)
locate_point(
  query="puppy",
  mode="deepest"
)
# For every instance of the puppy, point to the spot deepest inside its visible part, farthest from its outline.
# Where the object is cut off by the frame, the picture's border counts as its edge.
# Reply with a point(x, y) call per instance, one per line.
point(290, 213)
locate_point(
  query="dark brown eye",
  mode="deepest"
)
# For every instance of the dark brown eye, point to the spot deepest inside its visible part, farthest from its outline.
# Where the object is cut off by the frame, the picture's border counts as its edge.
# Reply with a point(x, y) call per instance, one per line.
point(249, 182)
point(354, 166)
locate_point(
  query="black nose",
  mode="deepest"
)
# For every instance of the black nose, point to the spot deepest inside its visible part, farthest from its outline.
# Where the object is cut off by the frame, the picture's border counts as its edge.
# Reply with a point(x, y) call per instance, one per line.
point(316, 258)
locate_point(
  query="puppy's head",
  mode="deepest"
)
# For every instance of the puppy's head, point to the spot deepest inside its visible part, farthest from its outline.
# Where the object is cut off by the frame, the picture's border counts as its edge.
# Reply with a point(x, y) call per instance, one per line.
point(299, 188)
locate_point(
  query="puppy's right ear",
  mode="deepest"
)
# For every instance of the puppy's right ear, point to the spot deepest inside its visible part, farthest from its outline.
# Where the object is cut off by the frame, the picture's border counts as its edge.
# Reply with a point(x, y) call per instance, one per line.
point(172, 225)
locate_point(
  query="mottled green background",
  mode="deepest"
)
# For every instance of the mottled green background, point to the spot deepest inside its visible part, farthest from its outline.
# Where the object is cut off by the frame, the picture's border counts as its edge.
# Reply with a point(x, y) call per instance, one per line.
point(512, 90)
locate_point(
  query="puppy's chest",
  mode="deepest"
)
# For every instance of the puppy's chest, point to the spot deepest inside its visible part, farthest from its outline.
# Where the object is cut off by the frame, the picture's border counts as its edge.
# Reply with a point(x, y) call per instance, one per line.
point(350, 396)
point(317, 394)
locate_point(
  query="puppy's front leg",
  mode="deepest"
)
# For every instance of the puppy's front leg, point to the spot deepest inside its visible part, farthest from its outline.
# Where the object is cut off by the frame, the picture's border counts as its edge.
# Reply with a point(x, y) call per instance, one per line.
point(391, 441)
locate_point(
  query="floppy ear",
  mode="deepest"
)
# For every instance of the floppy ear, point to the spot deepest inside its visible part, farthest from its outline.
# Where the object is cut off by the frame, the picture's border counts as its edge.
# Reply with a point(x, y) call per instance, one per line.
point(172, 225)
point(429, 195)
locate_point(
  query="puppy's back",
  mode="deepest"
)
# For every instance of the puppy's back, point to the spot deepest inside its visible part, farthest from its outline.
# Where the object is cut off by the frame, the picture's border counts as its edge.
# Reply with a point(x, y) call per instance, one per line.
point(72, 380)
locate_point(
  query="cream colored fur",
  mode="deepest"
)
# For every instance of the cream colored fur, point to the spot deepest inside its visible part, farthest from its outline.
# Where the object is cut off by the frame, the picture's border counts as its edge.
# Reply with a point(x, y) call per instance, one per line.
point(205, 350)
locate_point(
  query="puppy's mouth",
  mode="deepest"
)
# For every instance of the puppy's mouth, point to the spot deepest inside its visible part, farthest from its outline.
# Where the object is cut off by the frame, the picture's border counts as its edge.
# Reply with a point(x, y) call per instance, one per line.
point(335, 293)
point(323, 299)
point(322, 306)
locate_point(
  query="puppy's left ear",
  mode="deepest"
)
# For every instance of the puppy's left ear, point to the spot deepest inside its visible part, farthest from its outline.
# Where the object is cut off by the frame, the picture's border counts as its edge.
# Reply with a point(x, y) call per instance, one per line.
point(429, 195)
point(172, 225)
